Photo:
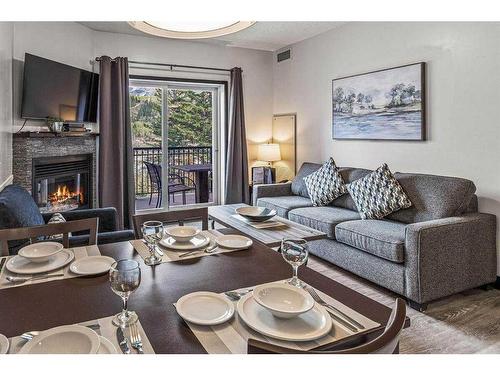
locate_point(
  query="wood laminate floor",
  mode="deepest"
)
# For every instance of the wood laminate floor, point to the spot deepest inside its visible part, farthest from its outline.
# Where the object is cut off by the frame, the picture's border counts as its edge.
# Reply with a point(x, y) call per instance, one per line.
point(467, 322)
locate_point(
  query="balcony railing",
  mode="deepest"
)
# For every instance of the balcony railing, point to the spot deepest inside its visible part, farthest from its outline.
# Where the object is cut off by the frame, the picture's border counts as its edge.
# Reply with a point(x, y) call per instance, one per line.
point(176, 156)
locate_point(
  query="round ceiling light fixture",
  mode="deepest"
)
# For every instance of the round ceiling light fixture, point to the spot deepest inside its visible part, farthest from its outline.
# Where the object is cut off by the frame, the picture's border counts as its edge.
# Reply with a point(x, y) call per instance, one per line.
point(190, 30)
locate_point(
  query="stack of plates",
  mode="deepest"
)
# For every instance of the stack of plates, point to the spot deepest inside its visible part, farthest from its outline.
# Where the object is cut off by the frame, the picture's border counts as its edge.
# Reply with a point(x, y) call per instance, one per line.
point(207, 308)
point(45, 257)
point(70, 339)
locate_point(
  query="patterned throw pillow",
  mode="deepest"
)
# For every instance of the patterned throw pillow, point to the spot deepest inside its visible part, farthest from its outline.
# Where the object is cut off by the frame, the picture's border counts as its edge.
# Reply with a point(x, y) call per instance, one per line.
point(325, 185)
point(56, 218)
point(378, 194)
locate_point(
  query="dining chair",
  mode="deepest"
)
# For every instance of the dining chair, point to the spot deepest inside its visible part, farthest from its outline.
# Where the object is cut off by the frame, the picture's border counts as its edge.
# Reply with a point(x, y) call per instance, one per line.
point(177, 216)
point(386, 343)
point(41, 232)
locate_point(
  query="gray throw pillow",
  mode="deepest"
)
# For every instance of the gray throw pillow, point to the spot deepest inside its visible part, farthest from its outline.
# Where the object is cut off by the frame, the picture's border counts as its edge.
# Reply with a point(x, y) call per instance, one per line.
point(325, 185)
point(378, 194)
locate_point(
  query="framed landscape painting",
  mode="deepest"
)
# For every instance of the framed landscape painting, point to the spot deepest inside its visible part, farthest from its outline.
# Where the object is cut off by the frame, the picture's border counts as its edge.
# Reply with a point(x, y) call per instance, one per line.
point(386, 104)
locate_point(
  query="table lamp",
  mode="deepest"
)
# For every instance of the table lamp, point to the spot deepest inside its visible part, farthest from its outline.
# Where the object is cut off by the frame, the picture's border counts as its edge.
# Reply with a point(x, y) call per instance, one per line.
point(267, 152)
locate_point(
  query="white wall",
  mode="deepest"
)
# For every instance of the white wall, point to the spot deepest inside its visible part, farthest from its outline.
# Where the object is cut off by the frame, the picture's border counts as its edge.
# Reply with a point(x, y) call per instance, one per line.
point(463, 91)
point(5, 104)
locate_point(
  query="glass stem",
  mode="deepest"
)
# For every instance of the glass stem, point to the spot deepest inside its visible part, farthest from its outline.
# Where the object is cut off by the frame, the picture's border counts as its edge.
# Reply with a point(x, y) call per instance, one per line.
point(295, 271)
point(125, 307)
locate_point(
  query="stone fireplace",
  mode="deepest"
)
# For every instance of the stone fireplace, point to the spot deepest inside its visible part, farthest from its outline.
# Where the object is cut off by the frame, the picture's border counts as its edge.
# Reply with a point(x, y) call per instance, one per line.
point(58, 171)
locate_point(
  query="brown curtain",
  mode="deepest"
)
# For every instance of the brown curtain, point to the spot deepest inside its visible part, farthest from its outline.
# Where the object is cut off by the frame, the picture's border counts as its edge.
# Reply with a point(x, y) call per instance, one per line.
point(237, 190)
point(115, 188)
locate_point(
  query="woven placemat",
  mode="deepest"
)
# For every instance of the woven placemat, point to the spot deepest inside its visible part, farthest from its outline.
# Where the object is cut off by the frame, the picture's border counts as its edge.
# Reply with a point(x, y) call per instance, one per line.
point(170, 255)
point(80, 252)
point(232, 337)
point(103, 327)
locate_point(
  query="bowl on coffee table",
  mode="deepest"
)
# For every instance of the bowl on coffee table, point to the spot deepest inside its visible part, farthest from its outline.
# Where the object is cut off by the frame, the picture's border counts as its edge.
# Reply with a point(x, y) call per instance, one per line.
point(254, 213)
point(182, 233)
point(283, 300)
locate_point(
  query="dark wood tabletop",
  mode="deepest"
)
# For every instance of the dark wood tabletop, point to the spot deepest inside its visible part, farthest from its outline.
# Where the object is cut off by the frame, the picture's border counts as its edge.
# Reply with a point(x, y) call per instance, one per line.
point(46, 305)
point(194, 167)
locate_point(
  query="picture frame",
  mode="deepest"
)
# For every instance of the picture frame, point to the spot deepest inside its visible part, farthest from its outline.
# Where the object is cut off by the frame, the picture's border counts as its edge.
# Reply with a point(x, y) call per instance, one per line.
point(386, 104)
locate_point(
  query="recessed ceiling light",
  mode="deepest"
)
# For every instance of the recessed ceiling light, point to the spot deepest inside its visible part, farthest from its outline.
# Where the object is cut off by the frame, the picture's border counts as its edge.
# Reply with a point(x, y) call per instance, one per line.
point(190, 30)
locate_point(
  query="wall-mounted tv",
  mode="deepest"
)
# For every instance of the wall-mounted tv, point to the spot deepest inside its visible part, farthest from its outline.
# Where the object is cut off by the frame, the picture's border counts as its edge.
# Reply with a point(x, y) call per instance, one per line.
point(55, 90)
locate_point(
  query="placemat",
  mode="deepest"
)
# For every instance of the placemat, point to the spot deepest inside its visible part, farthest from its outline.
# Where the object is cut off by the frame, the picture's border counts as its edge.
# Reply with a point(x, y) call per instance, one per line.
point(103, 327)
point(271, 223)
point(80, 252)
point(231, 337)
point(173, 255)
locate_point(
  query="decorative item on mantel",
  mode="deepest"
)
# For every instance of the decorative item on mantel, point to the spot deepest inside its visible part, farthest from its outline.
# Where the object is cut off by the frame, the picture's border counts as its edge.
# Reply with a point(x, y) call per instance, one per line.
point(267, 152)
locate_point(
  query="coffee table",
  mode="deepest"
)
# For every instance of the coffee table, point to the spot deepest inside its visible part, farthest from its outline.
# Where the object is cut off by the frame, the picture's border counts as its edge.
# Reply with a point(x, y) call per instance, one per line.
point(271, 237)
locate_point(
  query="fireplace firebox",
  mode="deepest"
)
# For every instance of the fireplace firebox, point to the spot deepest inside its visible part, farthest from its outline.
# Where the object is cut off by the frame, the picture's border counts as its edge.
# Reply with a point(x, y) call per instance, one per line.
point(62, 183)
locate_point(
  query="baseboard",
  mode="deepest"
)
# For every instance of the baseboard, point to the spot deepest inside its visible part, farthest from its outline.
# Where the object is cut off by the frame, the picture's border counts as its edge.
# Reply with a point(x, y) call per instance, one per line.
point(8, 181)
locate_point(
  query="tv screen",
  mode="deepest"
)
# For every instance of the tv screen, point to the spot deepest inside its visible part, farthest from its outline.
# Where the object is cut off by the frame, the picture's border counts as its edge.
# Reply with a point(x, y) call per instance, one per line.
point(52, 89)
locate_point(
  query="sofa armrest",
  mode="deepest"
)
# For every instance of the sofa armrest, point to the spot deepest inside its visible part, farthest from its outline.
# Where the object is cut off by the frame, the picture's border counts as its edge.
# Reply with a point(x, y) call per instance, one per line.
point(107, 217)
point(270, 190)
point(449, 255)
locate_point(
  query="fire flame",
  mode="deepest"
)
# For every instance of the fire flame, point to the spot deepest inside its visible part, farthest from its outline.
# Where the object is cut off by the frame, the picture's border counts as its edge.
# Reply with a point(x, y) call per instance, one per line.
point(63, 194)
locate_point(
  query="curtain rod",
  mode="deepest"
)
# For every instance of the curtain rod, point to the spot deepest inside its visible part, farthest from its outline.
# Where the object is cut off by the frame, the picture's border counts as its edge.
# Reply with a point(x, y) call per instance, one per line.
point(173, 65)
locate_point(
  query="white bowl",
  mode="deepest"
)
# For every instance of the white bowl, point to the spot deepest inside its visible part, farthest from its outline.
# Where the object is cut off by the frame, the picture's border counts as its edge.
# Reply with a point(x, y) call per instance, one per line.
point(254, 213)
point(182, 234)
point(283, 300)
point(41, 251)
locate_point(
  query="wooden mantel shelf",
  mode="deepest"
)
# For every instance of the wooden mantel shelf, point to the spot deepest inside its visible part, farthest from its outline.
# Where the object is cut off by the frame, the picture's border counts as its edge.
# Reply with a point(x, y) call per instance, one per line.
point(53, 135)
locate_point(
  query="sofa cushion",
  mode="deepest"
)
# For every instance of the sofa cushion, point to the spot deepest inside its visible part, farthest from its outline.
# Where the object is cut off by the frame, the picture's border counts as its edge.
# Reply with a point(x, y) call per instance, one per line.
point(378, 194)
point(325, 184)
point(434, 197)
point(17, 210)
point(382, 238)
point(284, 204)
point(298, 185)
point(324, 219)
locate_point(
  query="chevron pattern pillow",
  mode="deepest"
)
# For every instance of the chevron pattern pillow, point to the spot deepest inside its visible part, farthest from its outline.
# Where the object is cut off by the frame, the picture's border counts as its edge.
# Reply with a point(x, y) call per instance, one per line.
point(378, 194)
point(325, 185)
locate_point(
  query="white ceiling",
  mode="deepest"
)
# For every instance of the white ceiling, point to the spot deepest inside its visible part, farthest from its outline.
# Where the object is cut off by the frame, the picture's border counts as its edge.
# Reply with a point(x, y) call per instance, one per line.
point(268, 36)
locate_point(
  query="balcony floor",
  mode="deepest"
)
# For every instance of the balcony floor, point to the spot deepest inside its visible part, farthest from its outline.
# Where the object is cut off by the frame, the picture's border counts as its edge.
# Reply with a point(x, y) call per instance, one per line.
point(142, 203)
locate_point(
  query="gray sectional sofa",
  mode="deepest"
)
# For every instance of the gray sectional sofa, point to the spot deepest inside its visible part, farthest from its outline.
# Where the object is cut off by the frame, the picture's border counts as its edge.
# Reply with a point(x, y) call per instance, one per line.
point(439, 246)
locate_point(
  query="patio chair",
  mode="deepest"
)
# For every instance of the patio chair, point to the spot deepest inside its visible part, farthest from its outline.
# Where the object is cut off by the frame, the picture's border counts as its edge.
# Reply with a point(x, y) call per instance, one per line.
point(176, 184)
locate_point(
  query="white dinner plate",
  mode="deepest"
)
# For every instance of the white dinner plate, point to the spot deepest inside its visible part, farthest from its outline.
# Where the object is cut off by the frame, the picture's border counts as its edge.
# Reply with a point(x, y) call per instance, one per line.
point(195, 243)
point(4, 344)
point(92, 265)
point(234, 241)
point(309, 326)
point(106, 346)
point(70, 339)
point(205, 308)
point(23, 266)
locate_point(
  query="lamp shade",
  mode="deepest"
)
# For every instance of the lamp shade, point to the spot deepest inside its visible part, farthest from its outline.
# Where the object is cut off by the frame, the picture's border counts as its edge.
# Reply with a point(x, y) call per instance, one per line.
point(269, 152)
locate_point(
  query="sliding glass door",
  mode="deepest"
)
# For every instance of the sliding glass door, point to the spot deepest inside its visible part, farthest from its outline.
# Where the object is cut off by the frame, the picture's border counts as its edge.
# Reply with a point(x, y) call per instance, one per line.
point(176, 137)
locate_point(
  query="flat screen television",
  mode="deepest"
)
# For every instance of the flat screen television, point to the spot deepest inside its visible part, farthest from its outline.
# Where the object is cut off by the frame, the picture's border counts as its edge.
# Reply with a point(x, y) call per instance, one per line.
point(55, 90)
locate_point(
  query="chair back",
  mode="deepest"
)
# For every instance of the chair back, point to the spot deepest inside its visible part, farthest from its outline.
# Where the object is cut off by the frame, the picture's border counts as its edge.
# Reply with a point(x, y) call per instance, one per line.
point(177, 216)
point(386, 343)
point(154, 172)
point(43, 231)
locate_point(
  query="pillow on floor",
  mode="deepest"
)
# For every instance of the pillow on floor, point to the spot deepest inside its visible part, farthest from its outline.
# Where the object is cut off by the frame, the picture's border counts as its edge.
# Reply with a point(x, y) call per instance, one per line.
point(378, 194)
point(325, 185)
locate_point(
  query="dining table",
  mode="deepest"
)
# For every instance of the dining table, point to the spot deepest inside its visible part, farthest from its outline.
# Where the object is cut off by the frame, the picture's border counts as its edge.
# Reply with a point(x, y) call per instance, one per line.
point(46, 305)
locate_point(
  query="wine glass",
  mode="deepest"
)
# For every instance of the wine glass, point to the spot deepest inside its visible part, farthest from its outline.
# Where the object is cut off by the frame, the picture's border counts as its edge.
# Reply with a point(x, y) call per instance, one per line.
point(125, 277)
point(295, 253)
point(152, 232)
